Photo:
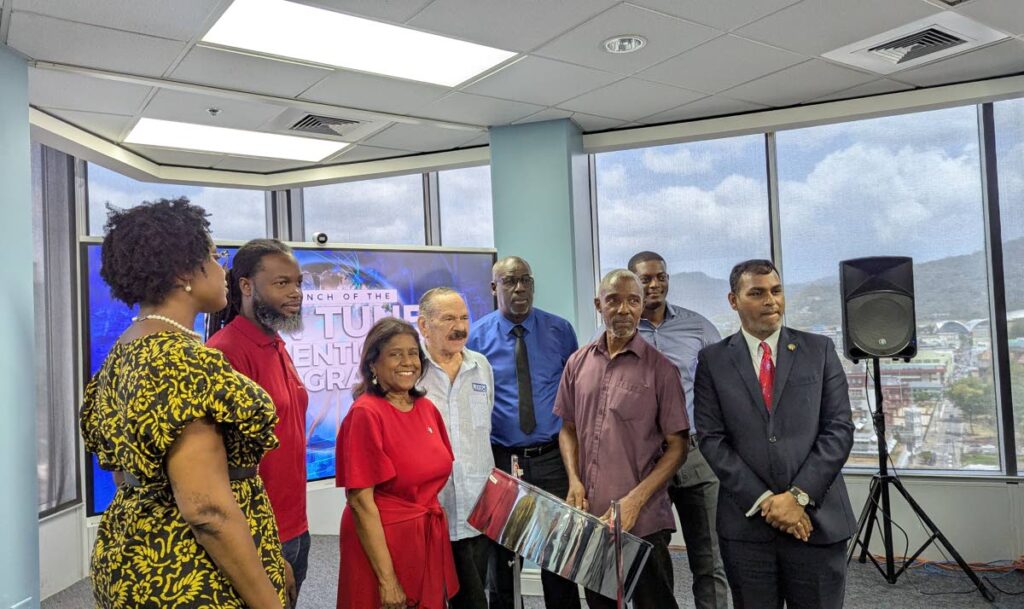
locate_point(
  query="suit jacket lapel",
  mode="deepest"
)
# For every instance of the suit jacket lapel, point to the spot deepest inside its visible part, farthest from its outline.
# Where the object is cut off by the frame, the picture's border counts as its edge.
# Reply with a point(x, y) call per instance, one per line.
point(741, 359)
point(783, 364)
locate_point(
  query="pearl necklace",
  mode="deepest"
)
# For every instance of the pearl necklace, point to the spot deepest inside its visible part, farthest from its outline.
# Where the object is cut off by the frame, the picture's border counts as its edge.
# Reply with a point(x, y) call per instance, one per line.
point(169, 321)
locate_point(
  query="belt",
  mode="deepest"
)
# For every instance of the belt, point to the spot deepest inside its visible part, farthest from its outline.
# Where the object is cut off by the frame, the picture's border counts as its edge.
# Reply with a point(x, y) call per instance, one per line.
point(532, 451)
point(234, 473)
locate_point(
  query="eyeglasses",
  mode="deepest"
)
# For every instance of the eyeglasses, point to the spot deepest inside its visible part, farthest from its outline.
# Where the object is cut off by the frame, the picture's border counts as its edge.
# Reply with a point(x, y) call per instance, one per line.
point(510, 282)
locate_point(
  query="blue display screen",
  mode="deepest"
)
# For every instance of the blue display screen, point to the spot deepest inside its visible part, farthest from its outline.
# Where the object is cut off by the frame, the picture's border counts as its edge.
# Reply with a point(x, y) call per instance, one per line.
point(344, 292)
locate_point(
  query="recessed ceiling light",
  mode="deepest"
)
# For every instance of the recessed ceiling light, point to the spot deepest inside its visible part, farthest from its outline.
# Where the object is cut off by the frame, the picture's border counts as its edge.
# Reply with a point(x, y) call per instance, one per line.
point(238, 142)
point(627, 43)
point(296, 31)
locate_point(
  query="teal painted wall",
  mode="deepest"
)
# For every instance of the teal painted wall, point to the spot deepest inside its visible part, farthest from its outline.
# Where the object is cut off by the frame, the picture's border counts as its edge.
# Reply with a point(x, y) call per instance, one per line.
point(19, 558)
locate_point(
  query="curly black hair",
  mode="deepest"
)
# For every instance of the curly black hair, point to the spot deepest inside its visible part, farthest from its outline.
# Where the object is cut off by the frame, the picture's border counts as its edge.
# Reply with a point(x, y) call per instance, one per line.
point(147, 247)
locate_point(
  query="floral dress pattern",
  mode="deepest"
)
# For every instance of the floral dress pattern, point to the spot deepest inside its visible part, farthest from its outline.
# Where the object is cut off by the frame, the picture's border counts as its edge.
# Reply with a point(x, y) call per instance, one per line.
point(138, 403)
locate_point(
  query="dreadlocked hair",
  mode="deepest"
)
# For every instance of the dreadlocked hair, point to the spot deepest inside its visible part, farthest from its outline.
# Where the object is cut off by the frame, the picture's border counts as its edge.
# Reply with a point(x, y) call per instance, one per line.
point(246, 263)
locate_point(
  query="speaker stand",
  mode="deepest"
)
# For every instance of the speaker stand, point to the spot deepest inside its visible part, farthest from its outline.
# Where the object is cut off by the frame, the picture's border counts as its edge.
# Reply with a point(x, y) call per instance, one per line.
point(878, 500)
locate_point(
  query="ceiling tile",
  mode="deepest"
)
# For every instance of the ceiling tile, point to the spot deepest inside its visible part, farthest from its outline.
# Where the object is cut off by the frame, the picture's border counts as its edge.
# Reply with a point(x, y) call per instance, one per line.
point(514, 25)
point(225, 69)
point(703, 108)
point(542, 81)
point(875, 87)
point(59, 41)
point(721, 14)
point(369, 92)
point(798, 84)
point(720, 64)
point(53, 89)
point(183, 158)
point(185, 107)
point(421, 138)
point(395, 11)
point(238, 163)
point(589, 122)
point(547, 114)
point(179, 20)
point(666, 37)
point(1000, 59)
point(362, 152)
point(814, 27)
point(108, 126)
point(1004, 15)
point(630, 99)
point(477, 110)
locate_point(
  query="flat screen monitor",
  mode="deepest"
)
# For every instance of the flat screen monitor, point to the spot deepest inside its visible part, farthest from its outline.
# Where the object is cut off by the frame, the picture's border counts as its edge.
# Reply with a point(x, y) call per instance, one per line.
point(345, 290)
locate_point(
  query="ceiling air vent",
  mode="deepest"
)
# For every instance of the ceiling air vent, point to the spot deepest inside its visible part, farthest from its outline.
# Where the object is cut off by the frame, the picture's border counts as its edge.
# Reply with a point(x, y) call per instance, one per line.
point(923, 41)
point(324, 125)
point(917, 45)
point(952, 2)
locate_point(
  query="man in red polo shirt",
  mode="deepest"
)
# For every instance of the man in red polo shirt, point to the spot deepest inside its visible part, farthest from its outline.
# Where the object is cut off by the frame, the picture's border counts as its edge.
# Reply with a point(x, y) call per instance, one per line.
point(264, 298)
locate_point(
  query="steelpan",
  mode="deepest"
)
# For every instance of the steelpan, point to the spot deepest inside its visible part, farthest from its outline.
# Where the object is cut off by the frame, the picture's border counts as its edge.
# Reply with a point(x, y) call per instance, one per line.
point(560, 538)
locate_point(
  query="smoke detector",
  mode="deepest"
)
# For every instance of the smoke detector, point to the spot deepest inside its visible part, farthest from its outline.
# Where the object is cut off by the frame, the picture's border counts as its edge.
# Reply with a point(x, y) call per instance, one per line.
point(920, 42)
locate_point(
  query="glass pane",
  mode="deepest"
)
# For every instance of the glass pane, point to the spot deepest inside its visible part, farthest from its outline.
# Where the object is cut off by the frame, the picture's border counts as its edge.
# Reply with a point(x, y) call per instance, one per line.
point(387, 211)
point(466, 213)
point(703, 206)
point(899, 186)
point(1009, 121)
point(235, 213)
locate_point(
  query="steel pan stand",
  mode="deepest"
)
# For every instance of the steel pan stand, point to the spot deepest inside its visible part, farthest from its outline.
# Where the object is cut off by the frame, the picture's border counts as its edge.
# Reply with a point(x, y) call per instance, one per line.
point(517, 564)
point(616, 522)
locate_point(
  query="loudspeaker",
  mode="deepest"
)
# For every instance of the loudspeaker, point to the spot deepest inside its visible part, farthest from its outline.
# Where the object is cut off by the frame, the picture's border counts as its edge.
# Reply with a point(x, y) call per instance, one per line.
point(878, 307)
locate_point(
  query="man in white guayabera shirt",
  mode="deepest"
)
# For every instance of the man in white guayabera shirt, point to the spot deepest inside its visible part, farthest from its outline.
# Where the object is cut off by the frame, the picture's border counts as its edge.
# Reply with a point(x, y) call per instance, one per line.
point(460, 383)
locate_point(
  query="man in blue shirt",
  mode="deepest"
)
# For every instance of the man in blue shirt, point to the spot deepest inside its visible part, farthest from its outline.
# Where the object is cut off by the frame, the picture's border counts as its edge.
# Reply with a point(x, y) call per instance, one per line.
point(680, 334)
point(527, 349)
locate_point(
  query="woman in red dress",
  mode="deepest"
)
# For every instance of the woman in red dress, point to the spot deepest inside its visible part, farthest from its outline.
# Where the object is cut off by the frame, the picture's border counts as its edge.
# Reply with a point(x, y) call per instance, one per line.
point(393, 458)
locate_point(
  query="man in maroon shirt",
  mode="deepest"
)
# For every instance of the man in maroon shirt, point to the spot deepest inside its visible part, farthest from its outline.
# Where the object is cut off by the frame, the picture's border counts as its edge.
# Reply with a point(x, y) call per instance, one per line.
point(265, 297)
point(624, 433)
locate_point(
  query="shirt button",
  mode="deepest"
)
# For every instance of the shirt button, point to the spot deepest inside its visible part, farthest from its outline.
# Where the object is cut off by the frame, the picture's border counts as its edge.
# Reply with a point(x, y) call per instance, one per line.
point(772, 439)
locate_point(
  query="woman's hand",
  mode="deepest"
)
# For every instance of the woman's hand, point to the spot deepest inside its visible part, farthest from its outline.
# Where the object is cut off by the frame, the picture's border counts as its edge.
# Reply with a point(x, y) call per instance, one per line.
point(391, 595)
point(289, 585)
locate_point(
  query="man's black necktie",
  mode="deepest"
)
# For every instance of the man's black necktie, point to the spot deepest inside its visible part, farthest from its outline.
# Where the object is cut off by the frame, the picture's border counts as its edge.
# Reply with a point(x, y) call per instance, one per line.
point(527, 422)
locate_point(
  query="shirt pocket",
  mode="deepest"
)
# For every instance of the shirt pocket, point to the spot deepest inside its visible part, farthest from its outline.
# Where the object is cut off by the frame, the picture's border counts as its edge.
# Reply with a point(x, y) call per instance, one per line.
point(480, 410)
point(629, 399)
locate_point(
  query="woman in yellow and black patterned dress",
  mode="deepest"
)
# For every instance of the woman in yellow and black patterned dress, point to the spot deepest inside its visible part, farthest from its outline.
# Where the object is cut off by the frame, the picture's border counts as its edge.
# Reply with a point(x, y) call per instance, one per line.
point(190, 525)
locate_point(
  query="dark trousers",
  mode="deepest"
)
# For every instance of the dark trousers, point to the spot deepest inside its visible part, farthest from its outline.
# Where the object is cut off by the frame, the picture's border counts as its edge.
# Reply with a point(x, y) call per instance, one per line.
point(766, 575)
point(296, 552)
point(547, 472)
point(694, 493)
point(471, 558)
point(655, 586)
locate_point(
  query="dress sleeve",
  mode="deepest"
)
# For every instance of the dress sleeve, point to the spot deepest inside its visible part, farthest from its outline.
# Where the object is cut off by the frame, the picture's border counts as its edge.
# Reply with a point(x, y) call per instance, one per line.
point(195, 382)
point(361, 458)
point(90, 421)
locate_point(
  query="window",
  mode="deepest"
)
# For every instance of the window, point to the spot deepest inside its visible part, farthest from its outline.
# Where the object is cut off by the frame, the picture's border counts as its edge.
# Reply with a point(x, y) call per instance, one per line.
point(906, 186)
point(235, 213)
point(703, 206)
point(385, 211)
point(466, 214)
point(55, 329)
point(1009, 124)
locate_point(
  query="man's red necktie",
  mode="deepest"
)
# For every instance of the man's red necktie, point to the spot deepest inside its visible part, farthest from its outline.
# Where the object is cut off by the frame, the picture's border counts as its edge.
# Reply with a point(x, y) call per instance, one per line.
point(767, 376)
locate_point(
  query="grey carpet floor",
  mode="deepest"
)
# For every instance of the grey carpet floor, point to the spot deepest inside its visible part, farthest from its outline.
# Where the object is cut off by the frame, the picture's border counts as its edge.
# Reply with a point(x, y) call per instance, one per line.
point(920, 588)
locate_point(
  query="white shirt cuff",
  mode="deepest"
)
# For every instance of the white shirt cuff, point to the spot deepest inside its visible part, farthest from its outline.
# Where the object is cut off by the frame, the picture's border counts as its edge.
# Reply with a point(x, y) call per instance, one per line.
point(757, 504)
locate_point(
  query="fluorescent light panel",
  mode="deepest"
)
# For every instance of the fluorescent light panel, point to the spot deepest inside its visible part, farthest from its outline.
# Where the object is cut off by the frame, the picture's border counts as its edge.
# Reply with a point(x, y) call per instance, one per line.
point(297, 31)
point(203, 138)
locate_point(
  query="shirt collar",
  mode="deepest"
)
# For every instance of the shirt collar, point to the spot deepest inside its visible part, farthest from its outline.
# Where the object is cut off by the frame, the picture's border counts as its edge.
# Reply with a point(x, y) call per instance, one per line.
point(506, 325)
point(670, 313)
point(467, 361)
point(754, 343)
point(253, 332)
point(634, 346)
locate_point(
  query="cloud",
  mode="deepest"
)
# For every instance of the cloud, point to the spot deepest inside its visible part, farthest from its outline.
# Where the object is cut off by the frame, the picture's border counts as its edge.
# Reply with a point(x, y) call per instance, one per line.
point(677, 159)
point(466, 211)
point(382, 211)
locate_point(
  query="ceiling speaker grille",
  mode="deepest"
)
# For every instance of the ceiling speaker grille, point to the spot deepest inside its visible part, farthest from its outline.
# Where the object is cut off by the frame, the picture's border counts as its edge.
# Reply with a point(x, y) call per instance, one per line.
point(325, 125)
point(916, 45)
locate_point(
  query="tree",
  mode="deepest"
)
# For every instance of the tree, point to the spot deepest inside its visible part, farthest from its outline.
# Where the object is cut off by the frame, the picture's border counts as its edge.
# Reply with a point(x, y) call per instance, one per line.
point(973, 397)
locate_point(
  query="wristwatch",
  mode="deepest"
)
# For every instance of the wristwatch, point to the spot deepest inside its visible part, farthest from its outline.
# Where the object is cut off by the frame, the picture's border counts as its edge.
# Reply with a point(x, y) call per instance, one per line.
point(802, 498)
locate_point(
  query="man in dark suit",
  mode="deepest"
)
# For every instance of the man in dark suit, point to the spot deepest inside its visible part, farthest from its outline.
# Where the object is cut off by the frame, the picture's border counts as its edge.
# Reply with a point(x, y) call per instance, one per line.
point(774, 413)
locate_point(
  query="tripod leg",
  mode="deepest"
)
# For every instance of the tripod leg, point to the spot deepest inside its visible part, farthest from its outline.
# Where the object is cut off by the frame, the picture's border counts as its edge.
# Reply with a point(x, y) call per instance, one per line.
point(868, 516)
point(942, 539)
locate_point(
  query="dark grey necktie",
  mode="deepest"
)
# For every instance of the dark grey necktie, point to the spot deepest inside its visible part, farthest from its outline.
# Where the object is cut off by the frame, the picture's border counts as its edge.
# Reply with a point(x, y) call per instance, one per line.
point(527, 422)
